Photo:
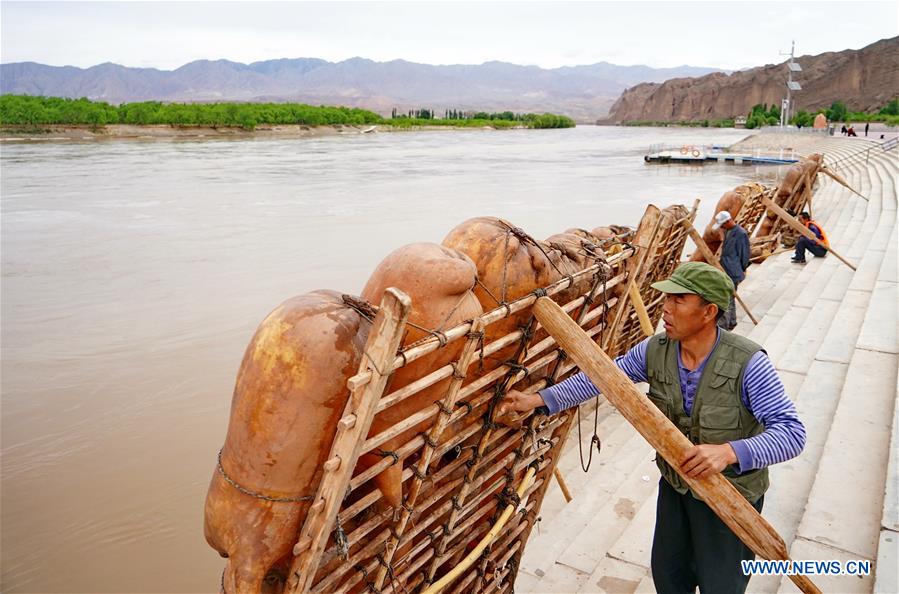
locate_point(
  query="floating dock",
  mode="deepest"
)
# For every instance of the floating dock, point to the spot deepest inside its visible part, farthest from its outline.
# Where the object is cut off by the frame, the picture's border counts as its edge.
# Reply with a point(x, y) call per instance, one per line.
point(691, 154)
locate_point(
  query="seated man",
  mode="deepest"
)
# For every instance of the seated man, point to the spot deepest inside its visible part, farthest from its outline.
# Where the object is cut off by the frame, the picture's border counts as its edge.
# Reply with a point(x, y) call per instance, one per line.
point(818, 248)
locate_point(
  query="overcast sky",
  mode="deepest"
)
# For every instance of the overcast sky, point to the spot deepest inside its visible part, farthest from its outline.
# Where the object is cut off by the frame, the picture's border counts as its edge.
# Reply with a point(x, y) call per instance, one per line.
point(166, 35)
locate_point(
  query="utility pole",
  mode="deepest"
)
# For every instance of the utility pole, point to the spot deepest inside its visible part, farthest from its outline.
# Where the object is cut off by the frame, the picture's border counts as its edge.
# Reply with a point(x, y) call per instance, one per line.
point(786, 105)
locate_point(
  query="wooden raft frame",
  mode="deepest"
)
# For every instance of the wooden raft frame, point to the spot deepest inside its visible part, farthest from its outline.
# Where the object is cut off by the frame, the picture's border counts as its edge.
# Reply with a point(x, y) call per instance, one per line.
point(800, 199)
point(662, 238)
point(452, 502)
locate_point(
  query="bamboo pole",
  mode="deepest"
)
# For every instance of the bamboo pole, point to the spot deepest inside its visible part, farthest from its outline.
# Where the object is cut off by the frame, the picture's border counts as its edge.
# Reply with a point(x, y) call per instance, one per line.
point(825, 169)
point(632, 281)
point(792, 222)
point(713, 260)
point(467, 562)
point(562, 484)
point(379, 354)
point(839, 179)
point(640, 308)
point(724, 499)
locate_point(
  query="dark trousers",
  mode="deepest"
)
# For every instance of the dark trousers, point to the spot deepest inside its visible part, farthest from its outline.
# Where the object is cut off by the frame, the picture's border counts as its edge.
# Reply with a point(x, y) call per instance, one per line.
point(729, 320)
point(805, 243)
point(693, 547)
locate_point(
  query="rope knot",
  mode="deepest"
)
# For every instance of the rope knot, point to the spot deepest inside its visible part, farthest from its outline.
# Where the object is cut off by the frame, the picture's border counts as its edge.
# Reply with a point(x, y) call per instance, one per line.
point(361, 306)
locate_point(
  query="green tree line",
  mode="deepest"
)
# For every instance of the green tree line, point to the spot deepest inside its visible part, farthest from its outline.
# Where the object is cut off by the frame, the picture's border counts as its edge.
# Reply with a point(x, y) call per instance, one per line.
point(38, 111)
point(459, 117)
point(26, 109)
point(761, 115)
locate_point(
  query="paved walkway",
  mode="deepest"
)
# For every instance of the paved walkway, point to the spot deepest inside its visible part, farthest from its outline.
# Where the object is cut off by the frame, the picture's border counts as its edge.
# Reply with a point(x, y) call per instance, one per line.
point(832, 334)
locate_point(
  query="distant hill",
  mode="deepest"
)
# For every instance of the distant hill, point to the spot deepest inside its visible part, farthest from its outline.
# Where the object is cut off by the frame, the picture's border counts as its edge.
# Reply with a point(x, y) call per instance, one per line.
point(582, 92)
point(864, 79)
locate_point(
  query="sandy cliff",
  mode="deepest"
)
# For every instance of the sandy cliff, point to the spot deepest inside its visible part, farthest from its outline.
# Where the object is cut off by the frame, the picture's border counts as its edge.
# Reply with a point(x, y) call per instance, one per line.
point(864, 79)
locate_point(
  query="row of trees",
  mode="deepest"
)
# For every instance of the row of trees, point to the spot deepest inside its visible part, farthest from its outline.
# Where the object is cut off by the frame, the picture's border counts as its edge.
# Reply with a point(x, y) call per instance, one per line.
point(30, 110)
point(460, 114)
point(762, 115)
point(38, 111)
point(454, 116)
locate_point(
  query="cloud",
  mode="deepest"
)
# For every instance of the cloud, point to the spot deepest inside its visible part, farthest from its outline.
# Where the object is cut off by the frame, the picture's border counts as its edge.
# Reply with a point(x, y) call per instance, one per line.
point(660, 34)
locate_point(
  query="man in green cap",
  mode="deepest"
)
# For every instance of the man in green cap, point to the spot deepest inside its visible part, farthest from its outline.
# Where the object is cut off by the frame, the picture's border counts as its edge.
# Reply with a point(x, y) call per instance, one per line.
point(723, 393)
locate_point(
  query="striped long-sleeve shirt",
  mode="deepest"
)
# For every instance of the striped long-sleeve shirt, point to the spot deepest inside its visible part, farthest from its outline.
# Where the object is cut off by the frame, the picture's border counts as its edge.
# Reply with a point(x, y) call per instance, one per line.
point(762, 394)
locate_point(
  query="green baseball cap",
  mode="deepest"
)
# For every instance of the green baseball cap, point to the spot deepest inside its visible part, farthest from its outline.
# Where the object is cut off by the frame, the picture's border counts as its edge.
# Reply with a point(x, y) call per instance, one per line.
point(701, 279)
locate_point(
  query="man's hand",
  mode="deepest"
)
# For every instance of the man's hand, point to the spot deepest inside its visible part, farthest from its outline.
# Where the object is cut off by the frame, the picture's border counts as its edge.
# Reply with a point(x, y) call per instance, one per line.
point(704, 460)
point(515, 402)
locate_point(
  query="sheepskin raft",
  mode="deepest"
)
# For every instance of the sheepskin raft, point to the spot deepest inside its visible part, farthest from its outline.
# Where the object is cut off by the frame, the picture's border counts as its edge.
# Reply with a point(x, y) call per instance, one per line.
point(363, 453)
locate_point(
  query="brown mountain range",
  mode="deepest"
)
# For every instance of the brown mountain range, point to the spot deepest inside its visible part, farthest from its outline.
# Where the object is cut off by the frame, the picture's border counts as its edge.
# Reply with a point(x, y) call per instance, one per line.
point(582, 92)
point(864, 80)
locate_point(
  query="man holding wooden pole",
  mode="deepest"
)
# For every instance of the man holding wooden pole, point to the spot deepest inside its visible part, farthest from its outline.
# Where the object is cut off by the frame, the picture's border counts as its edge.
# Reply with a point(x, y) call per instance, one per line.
point(723, 393)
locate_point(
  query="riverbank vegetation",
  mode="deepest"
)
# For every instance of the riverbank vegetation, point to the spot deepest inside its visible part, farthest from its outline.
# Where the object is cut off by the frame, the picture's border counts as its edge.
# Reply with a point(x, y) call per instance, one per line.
point(476, 119)
point(26, 110)
point(762, 115)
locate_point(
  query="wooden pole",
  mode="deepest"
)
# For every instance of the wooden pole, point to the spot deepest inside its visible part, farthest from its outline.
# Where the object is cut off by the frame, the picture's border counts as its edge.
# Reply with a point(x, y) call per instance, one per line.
point(839, 179)
point(724, 499)
point(632, 281)
point(562, 484)
point(640, 308)
point(713, 260)
point(800, 228)
point(379, 355)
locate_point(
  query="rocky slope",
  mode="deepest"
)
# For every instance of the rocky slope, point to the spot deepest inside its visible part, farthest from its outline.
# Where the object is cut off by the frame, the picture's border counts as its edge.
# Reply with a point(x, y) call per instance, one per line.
point(864, 79)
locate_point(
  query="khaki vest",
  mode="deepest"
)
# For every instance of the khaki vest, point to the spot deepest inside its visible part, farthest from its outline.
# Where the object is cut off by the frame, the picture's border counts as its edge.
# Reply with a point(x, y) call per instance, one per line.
point(718, 414)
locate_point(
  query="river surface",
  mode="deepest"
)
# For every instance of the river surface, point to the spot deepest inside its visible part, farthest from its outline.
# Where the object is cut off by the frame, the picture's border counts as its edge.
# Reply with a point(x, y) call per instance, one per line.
point(135, 272)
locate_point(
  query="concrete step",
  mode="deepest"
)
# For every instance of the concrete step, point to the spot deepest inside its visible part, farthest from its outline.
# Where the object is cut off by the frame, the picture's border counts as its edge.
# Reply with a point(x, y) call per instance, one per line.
point(561, 568)
point(878, 332)
point(587, 547)
point(611, 432)
point(847, 491)
point(622, 452)
point(887, 577)
point(646, 586)
point(839, 342)
point(791, 481)
point(802, 348)
point(634, 546)
point(841, 518)
point(613, 576)
point(789, 324)
point(764, 296)
point(564, 580)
